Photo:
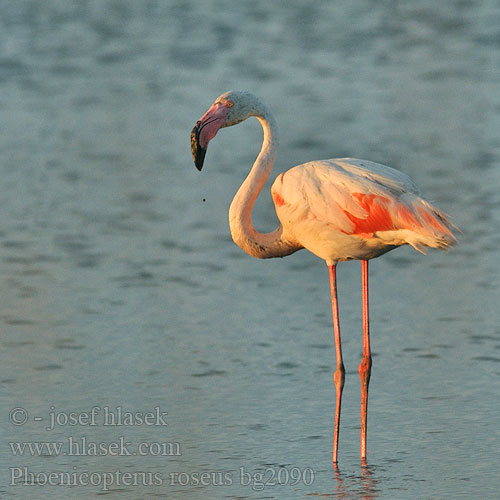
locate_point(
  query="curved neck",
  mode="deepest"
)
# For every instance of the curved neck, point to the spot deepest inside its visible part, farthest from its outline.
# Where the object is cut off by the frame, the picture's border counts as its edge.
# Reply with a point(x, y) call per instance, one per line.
point(260, 245)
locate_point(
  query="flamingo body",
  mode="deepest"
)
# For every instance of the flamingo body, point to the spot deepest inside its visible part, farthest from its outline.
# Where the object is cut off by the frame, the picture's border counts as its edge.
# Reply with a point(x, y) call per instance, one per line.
point(339, 210)
point(346, 209)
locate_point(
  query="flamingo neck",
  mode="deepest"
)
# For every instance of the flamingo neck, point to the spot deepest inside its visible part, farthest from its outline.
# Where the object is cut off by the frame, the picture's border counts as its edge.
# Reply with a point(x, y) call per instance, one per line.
point(260, 245)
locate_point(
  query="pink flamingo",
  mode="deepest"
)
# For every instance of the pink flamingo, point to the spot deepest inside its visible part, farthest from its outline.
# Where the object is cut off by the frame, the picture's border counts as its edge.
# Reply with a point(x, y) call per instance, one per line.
point(340, 209)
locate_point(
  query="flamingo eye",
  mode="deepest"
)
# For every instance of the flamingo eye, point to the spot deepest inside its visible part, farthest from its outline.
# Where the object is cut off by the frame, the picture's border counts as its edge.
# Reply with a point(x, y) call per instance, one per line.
point(229, 104)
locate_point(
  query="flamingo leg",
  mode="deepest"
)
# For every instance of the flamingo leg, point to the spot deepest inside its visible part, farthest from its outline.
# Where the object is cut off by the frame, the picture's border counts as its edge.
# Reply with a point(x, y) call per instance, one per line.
point(366, 362)
point(339, 375)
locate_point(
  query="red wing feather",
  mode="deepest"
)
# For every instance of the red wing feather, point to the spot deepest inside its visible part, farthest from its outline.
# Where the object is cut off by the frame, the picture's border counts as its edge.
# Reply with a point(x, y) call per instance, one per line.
point(379, 218)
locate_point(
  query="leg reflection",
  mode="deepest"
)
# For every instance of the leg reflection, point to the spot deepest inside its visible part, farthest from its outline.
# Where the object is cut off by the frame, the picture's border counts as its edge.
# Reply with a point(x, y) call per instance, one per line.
point(353, 486)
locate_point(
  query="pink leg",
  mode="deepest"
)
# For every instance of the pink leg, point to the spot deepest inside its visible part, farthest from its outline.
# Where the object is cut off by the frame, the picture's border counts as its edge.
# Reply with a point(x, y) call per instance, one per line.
point(366, 363)
point(339, 375)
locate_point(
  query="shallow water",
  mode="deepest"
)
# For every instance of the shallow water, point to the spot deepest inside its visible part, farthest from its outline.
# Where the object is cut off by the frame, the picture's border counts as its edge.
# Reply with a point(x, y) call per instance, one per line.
point(121, 289)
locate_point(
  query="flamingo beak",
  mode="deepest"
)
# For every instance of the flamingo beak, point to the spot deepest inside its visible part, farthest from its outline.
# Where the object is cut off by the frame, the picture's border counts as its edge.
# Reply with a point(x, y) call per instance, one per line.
point(205, 130)
point(197, 151)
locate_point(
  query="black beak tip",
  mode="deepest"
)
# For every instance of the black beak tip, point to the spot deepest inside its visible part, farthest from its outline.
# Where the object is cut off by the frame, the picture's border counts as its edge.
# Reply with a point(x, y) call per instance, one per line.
point(197, 151)
point(199, 157)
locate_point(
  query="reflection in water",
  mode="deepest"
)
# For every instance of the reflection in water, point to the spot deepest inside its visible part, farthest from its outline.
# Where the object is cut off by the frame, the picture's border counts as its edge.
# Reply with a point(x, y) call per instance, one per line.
point(352, 487)
point(368, 482)
point(361, 487)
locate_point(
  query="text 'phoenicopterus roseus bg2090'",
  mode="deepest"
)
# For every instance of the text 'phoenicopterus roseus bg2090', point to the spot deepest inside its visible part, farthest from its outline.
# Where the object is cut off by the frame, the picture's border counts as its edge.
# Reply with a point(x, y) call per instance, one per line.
point(339, 210)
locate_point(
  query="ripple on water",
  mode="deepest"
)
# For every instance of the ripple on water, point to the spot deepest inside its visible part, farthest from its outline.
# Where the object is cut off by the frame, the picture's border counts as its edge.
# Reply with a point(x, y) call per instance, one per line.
point(89, 260)
point(175, 245)
point(478, 339)
point(428, 356)
point(323, 369)
point(77, 247)
point(138, 279)
point(18, 343)
point(48, 367)
point(209, 267)
point(71, 243)
point(140, 197)
point(258, 427)
point(182, 280)
point(67, 344)
point(16, 244)
point(286, 365)
point(320, 346)
point(16, 321)
point(17, 259)
point(209, 373)
point(486, 358)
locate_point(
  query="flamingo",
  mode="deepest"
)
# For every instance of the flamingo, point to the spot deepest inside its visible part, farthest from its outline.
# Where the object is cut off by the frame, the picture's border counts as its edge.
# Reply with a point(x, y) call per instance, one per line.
point(338, 209)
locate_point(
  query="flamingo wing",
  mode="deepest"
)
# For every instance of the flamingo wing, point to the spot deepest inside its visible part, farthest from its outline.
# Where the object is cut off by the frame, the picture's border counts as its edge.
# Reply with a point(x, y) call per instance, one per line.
point(360, 198)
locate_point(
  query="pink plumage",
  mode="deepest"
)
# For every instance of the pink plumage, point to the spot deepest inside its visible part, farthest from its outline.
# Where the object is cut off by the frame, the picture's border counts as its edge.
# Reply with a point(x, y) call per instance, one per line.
point(347, 209)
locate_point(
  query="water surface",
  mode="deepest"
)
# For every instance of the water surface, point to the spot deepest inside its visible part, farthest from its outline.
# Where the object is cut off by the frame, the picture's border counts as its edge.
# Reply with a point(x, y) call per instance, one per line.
point(121, 289)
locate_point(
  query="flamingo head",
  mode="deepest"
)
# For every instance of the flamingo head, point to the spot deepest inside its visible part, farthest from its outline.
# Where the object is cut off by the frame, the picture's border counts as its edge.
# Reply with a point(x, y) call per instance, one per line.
point(228, 109)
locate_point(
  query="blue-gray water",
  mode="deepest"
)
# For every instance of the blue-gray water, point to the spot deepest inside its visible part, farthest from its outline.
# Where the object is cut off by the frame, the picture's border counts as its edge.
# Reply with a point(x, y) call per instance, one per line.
point(121, 289)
